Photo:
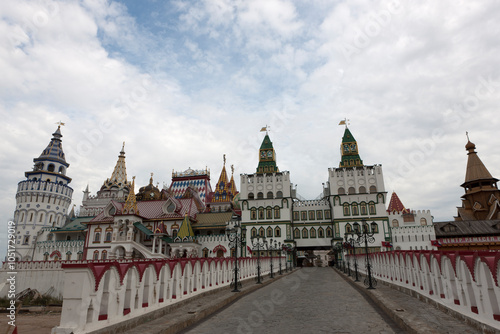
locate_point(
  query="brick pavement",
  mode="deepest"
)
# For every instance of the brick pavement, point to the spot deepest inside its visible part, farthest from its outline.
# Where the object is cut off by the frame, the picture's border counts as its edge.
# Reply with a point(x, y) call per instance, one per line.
point(311, 300)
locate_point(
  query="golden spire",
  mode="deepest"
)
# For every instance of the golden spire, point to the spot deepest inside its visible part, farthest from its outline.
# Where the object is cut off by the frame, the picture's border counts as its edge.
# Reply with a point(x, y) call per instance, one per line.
point(130, 206)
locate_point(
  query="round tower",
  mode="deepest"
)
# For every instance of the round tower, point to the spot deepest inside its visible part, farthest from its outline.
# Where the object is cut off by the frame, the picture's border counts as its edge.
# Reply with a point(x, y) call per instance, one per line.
point(42, 200)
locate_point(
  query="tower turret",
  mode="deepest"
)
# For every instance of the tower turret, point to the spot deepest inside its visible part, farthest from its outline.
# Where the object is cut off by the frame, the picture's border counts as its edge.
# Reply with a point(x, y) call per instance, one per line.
point(267, 157)
point(481, 200)
point(42, 200)
point(349, 151)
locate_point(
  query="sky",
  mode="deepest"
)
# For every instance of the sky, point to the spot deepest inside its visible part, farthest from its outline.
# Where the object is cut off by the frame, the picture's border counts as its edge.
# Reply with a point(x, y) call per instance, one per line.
point(184, 82)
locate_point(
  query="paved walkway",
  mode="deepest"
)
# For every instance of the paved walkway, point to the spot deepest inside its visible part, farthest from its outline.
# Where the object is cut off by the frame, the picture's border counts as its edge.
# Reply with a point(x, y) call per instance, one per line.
point(311, 300)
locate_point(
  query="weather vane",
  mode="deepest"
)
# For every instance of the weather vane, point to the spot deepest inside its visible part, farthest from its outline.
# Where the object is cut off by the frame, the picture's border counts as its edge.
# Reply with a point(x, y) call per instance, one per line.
point(266, 128)
point(60, 123)
point(224, 158)
point(345, 122)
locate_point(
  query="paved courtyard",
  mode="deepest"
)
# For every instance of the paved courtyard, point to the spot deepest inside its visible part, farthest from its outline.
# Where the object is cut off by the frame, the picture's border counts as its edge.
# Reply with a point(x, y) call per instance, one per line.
point(311, 300)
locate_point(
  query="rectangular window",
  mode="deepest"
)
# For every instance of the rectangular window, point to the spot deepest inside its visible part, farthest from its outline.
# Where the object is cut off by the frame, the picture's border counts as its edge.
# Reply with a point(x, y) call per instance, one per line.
point(319, 215)
point(311, 215)
point(269, 214)
point(276, 213)
point(261, 213)
point(253, 214)
point(296, 215)
point(371, 208)
point(327, 214)
point(303, 215)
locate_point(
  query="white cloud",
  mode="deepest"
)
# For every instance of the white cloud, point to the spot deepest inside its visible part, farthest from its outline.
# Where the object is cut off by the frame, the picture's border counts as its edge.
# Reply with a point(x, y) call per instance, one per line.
point(185, 83)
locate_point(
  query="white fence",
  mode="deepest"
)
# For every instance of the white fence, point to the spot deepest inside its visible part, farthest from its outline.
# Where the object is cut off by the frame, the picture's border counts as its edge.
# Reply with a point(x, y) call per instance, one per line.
point(464, 281)
point(98, 294)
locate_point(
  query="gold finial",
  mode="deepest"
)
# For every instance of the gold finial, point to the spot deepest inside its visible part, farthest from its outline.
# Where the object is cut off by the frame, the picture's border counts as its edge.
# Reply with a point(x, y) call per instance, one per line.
point(224, 158)
point(59, 124)
point(151, 179)
point(467, 134)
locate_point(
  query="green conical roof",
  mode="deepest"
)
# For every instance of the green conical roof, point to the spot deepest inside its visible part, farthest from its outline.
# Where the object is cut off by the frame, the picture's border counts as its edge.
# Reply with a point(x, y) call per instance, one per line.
point(266, 143)
point(348, 137)
point(349, 151)
point(267, 157)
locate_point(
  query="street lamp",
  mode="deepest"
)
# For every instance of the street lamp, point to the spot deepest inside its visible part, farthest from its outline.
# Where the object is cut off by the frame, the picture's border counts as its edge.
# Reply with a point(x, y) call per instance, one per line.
point(367, 237)
point(235, 236)
point(271, 246)
point(352, 243)
point(257, 243)
point(339, 248)
point(279, 250)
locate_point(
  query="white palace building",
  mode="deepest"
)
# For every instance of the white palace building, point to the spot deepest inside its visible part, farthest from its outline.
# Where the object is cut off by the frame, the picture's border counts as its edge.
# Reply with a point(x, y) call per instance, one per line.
point(188, 219)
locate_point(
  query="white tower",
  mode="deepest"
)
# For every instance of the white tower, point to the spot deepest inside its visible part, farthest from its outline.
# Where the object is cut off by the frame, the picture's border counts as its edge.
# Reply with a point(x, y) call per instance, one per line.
point(43, 198)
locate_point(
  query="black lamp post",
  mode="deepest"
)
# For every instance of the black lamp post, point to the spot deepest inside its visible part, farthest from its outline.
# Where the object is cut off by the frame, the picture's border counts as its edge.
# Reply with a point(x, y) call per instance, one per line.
point(234, 235)
point(352, 243)
point(338, 248)
point(257, 243)
point(279, 254)
point(271, 247)
point(367, 237)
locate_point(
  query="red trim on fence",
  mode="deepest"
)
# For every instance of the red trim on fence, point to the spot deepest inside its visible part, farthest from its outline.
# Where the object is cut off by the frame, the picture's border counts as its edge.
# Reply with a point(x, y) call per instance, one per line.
point(496, 317)
point(474, 309)
point(456, 301)
point(442, 295)
point(102, 317)
point(144, 304)
point(126, 311)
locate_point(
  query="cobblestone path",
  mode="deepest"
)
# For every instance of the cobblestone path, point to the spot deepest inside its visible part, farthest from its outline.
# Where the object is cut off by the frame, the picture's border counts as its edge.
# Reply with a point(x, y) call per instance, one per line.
point(311, 300)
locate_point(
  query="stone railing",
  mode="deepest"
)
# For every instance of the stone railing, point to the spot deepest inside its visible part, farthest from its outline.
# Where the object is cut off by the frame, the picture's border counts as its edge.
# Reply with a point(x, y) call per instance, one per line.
point(463, 281)
point(98, 294)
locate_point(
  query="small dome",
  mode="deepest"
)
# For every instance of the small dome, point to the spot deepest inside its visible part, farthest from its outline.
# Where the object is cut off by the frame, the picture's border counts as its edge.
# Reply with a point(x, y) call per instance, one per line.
point(470, 146)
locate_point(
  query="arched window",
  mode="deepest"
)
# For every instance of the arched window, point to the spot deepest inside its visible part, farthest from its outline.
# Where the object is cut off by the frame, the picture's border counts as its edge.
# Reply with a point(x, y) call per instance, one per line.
point(277, 232)
point(279, 194)
point(371, 208)
point(97, 235)
point(347, 211)
point(355, 210)
point(269, 213)
point(276, 212)
point(50, 236)
point(374, 227)
point(260, 195)
point(96, 255)
point(348, 228)
point(296, 233)
point(329, 232)
point(312, 232)
point(250, 196)
point(254, 232)
point(205, 252)
point(373, 189)
point(341, 191)
point(253, 213)
point(68, 237)
point(352, 191)
point(108, 237)
point(321, 233)
point(305, 233)
point(269, 232)
point(363, 209)
point(262, 232)
point(104, 255)
point(395, 223)
point(51, 168)
point(362, 190)
point(270, 195)
point(261, 213)
point(356, 228)
point(174, 233)
point(423, 221)
point(61, 170)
